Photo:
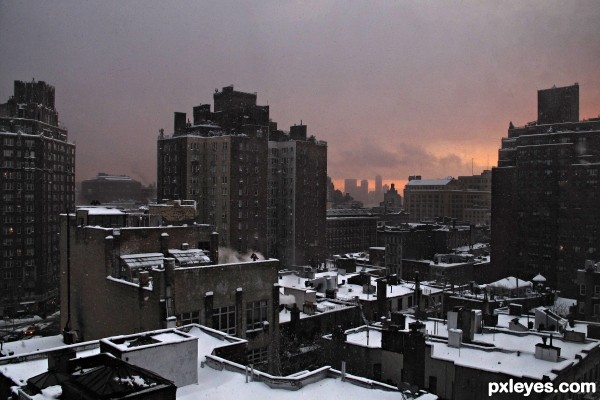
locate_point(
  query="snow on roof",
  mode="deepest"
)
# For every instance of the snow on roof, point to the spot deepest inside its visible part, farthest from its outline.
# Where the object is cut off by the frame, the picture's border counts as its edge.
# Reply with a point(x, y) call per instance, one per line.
point(539, 278)
point(144, 340)
point(365, 337)
point(510, 283)
point(209, 339)
point(189, 257)
point(214, 384)
point(430, 182)
point(143, 260)
point(101, 211)
point(34, 344)
point(20, 372)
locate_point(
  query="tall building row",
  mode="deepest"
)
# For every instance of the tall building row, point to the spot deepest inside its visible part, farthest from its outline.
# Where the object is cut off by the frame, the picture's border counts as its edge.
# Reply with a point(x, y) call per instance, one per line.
point(37, 172)
point(546, 191)
point(263, 189)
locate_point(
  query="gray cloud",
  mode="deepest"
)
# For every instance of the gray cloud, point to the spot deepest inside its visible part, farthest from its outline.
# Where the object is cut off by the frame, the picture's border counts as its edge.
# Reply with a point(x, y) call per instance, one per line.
point(398, 73)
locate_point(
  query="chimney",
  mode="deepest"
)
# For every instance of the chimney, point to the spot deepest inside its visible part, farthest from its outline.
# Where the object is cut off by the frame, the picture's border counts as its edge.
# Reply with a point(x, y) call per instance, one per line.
point(169, 270)
point(547, 352)
point(382, 303)
point(108, 255)
point(179, 122)
point(208, 308)
point(164, 244)
point(58, 361)
point(455, 338)
point(214, 247)
point(144, 278)
point(399, 320)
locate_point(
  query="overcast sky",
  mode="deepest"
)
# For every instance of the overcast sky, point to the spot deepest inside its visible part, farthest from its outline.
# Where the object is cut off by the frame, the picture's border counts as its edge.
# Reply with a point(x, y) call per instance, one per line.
point(394, 87)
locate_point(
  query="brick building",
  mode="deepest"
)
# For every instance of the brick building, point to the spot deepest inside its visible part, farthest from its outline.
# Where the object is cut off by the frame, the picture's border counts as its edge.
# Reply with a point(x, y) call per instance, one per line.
point(588, 293)
point(392, 201)
point(466, 198)
point(545, 199)
point(458, 357)
point(243, 172)
point(297, 197)
point(37, 175)
point(350, 230)
point(423, 242)
point(124, 280)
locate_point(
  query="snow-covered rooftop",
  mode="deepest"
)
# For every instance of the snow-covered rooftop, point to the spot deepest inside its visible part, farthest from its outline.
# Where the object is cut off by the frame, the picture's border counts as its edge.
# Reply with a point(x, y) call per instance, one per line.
point(510, 283)
point(101, 211)
point(430, 182)
point(225, 384)
point(507, 352)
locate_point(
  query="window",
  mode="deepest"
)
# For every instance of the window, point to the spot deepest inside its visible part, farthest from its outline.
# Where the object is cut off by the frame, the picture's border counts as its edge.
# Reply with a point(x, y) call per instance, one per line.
point(224, 319)
point(596, 309)
point(582, 290)
point(596, 290)
point(256, 313)
point(189, 318)
point(257, 356)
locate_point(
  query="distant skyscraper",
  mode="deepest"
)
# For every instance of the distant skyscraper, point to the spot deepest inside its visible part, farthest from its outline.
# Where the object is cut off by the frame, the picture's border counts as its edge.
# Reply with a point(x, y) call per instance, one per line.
point(378, 184)
point(545, 194)
point(350, 187)
point(37, 174)
point(364, 191)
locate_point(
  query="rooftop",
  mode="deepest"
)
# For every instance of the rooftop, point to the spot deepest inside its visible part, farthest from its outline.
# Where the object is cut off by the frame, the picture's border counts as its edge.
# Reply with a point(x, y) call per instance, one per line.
point(430, 182)
point(219, 378)
point(496, 349)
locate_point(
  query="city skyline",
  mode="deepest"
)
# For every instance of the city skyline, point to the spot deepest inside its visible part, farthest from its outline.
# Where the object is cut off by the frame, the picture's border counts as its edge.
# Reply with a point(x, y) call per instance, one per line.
point(397, 89)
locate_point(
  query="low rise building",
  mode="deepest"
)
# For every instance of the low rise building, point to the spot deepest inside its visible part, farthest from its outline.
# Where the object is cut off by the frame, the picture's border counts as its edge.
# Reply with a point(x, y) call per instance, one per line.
point(457, 358)
point(106, 188)
point(175, 212)
point(376, 295)
point(187, 363)
point(466, 198)
point(350, 230)
point(121, 280)
point(588, 299)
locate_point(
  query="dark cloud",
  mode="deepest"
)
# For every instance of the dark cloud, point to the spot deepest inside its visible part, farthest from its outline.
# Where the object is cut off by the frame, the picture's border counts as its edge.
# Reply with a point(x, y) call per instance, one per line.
point(399, 84)
point(398, 161)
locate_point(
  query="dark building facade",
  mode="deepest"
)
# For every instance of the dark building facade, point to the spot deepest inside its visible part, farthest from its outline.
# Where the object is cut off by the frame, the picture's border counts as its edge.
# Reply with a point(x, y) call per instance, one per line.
point(556, 105)
point(220, 161)
point(423, 242)
point(467, 198)
point(122, 280)
point(545, 193)
point(107, 188)
point(263, 189)
point(350, 231)
point(297, 198)
point(391, 199)
point(37, 175)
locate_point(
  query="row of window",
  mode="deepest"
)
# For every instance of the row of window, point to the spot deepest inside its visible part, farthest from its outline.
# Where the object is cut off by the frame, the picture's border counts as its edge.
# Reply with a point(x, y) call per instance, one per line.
point(224, 318)
point(583, 290)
